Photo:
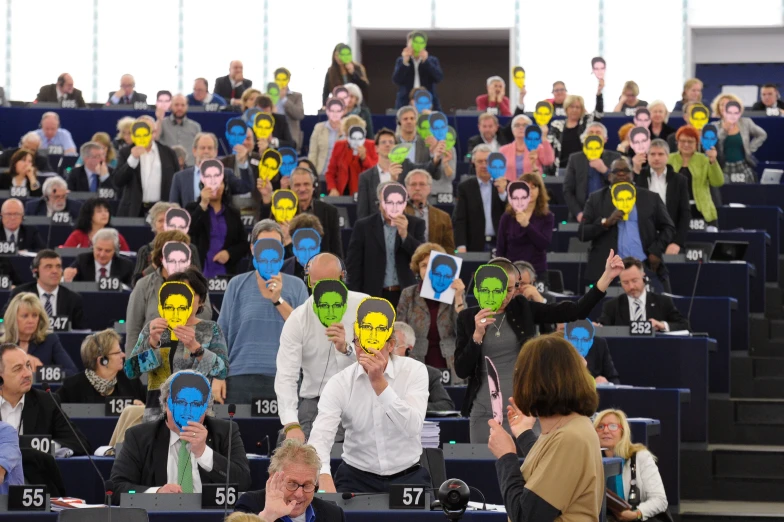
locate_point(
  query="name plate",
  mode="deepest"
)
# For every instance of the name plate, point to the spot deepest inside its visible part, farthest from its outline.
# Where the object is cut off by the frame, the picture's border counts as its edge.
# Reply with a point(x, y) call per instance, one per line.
point(109, 284)
point(42, 443)
point(18, 192)
point(214, 496)
point(696, 224)
point(7, 247)
point(61, 218)
point(5, 282)
point(217, 284)
point(446, 376)
point(696, 255)
point(640, 329)
point(106, 193)
point(27, 498)
point(51, 373)
point(402, 496)
point(264, 407)
point(116, 405)
point(445, 198)
point(60, 323)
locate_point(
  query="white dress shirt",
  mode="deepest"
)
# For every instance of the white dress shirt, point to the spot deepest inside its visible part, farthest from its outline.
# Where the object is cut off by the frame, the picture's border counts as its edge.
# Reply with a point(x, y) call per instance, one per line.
point(12, 415)
point(52, 300)
point(643, 298)
point(304, 345)
point(151, 173)
point(658, 184)
point(205, 461)
point(98, 267)
point(383, 176)
point(415, 63)
point(14, 232)
point(383, 432)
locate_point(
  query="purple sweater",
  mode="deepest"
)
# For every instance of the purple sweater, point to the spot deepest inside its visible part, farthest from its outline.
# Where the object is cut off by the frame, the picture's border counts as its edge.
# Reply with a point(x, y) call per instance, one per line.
point(525, 244)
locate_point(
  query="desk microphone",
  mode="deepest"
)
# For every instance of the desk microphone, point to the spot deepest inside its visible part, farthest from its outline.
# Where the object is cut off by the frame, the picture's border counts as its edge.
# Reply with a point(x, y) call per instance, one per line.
point(694, 291)
point(232, 411)
point(49, 230)
point(258, 444)
point(348, 496)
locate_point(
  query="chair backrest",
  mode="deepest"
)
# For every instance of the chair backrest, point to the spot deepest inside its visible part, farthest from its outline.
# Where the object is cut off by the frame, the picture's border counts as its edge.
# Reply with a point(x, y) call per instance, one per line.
point(555, 280)
point(90, 515)
point(576, 246)
point(432, 460)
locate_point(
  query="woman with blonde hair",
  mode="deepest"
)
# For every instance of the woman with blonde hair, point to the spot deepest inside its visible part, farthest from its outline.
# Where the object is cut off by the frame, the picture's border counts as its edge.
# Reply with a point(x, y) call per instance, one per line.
point(692, 92)
point(739, 138)
point(248, 99)
point(659, 118)
point(351, 156)
point(628, 102)
point(27, 326)
point(123, 136)
point(639, 469)
point(104, 139)
point(565, 134)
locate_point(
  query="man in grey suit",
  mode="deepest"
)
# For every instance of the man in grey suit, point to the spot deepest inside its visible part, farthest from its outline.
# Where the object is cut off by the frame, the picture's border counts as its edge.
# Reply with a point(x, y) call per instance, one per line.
point(184, 187)
point(290, 105)
point(407, 133)
point(584, 177)
point(385, 170)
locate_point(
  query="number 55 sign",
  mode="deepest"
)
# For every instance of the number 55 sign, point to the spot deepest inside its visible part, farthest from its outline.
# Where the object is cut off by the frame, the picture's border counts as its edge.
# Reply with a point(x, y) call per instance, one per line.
point(28, 498)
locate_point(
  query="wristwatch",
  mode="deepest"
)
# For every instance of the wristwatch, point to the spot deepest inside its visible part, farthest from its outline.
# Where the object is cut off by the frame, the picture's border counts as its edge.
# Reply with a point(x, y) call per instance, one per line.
point(604, 220)
point(349, 349)
point(279, 302)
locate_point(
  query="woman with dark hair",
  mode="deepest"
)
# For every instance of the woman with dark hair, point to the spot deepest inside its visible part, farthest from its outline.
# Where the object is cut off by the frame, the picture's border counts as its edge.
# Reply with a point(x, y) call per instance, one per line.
point(562, 476)
point(94, 215)
point(22, 173)
point(340, 73)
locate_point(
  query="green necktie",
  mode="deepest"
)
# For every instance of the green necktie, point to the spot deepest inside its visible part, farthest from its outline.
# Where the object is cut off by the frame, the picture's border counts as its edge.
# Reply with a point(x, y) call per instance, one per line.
point(184, 469)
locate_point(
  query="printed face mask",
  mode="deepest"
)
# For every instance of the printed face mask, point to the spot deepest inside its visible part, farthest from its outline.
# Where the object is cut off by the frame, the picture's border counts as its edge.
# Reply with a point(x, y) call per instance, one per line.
point(593, 147)
point(284, 205)
point(373, 327)
point(710, 136)
point(698, 116)
point(305, 243)
point(532, 137)
point(236, 130)
point(211, 174)
point(519, 195)
point(518, 73)
point(393, 199)
point(188, 398)
point(288, 158)
point(732, 111)
point(642, 117)
point(494, 387)
point(141, 134)
point(438, 125)
point(599, 67)
point(624, 196)
point(177, 219)
point(496, 165)
point(268, 257)
point(443, 270)
point(423, 101)
point(344, 53)
point(423, 126)
point(342, 94)
point(270, 164)
point(330, 301)
point(490, 286)
point(249, 116)
point(356, 137)
point(282, 78)
point(176, 257)
point(175, 304)
point(543, 113)
point(399, 153)
point(640, 139)
point(335, 109)
point(263, 125)
point(580, 334)
point(418, 42)
point(451, 139)
point(273, 91)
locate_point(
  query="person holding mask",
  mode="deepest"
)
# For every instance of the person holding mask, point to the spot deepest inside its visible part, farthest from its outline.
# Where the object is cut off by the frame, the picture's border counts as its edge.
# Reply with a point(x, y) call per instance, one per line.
point(347, 163)
point(94, 215)
point(509, 328)
point(520, 160)
point(739, 139)
point(27, 326)
point(526, 235)
point(565, 134)
point(103, 376)
point(340, 73)
point(325, 135)
point(659, 117)
point(157, 220)
point(416, 68)
point(22, 174)
point(562, 476)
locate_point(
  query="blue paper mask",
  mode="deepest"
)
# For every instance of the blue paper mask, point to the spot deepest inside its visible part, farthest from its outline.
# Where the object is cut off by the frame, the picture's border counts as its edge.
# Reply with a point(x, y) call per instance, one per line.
point(533, 137)
point(709, 136)
point(438, 125)
point(496, 165)
point(189, 396)
point(288, 157)
point(580, 334)
point(423, 101)
point(236, 130)
point(305, 243)
point(268, 257)
point(443, 270)
point(250, 115)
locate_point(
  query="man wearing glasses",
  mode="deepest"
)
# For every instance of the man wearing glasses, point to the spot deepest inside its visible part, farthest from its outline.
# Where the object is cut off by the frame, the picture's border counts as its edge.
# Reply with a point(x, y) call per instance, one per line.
point(126, 94)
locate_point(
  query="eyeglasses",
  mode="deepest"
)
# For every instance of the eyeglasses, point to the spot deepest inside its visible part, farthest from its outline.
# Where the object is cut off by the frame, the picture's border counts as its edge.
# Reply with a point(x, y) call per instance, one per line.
point(307, 488)
point(611, 427)
point(378, 329)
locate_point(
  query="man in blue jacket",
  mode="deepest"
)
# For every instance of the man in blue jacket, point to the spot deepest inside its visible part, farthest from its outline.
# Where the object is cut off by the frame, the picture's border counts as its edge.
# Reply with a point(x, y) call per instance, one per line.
point(416, 68)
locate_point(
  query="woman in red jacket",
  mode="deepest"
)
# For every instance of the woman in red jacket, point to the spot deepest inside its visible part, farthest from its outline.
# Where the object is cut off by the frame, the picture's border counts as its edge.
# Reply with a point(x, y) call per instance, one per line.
point(94, 215)
point(351, 156)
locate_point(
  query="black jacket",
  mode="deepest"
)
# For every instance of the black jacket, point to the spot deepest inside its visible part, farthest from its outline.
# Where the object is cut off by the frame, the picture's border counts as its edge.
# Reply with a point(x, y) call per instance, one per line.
point(69, 303)
point(41, 417)
point(37, 207)
point(469, 215)
point(473, 141)
point(41, 161)
point(78, 182)
point(439, 399)
point(224, 89)
point(142, 462)
point(121, 268)
point(575, 187)
point(130, 179)
point(330, 221)
point(282, 131)
point(656, 228)
point(27, 238)
point(615, 312)
point(677, 200)
point(366, 256)
point(522, 316)
point(77, 389)
point(7, 184)
point(759, 106)
point(254, 502)
point(236, 242)
point(600, 363)
point(48, 94)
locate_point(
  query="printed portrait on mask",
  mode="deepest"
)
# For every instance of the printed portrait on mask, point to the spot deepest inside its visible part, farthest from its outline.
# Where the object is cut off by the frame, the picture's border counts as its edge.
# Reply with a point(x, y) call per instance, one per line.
point(236, 130)
point(494, 388)
point(423, 101)
point(284, 205)
point(490, 286)
point(270, 164)
point(624, 196)
point(141, 133)
point(249, 116)
point(189, 396)
point(268, 257)
point(580, 334)
point(518, 75)
point(335, 109)
point(418, 42)
point(211, 174)
point(423, 126)
point(543, 112)
point(496, 165)
point(288, 160)
point(532, 137)
point(710, 136)
point(640, 140)
point(330, 300)
point(393, 199)
point(263, 125)
point(599, 67)
point(305, 243)
point(344, 53)
point(273, 91)
point(441, 272)
point(375, 317)
point(438, 125)
point(175, 304)
point(163, 101)
point(698, 116)
point(176, 257)
point(642, 117)
point(451, 139)
point(399, 153)
point(177, 219)
point(593, 147)
point(732, 112)
point(518, 195)
point(356, 137)
point(341, 93)
point(282, 77)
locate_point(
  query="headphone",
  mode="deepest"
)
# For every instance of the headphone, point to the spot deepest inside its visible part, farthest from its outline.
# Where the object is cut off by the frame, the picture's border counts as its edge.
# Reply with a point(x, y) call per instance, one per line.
point(306, 273)
point(408, 351)
point(104, 361)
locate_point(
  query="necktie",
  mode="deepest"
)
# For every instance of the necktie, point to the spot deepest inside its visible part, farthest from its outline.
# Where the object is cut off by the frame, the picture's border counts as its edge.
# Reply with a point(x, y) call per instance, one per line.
point(127, 100)
point(184, 469)
point(12, 239)
point(102, 271)
point(638, 310)
point(48, 305)
point(93, 182)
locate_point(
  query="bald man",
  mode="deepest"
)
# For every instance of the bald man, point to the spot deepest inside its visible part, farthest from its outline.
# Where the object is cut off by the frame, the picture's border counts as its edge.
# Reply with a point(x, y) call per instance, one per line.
point(126, 94)
point(22, 236)
point(231, 86)
point(319, 352)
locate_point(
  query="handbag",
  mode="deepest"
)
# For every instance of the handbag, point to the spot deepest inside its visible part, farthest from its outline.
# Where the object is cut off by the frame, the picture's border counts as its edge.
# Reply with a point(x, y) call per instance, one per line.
point(635, 498)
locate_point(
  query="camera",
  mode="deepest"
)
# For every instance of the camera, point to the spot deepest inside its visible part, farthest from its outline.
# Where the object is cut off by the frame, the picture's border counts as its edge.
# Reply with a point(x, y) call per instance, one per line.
point(453, 495)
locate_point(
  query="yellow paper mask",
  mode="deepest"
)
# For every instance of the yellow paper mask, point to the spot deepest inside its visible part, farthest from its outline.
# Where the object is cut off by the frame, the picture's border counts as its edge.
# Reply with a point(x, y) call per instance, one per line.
point(263, 125)
point(284, 205)
point(593, 147)
point(282, 77)
point(270, 164)
point(698, 116)
point(175, 304)
point(141, 134)
point(624, 196)
point(518, 75)
point(375, 317)
point(543, 113)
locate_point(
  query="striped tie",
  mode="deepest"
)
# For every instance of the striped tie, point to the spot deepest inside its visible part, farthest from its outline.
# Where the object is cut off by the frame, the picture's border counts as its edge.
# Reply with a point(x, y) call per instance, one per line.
point(48, 305)
point(638, 311)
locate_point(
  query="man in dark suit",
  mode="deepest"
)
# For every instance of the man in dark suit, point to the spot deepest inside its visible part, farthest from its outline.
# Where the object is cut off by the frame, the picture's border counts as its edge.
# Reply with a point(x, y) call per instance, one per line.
point(439, 399)
point(102, 262)
point(672, 188)
point(58, 300)
point(438, 224)
point(31, 411)
point(61, 91)
point(281, 133)
point(407, 128)
point(479, 198)
point(25, 237)
point(416, 61)
point(583, 176)
point(135, 167)
point(490, 134)
point(30, 141)
point(231, 86)
point(640, 305)
point(298, 465)
point(152, 455)
point(126, 94)
point(379, 252)
point(55, 199)
point(94, 174)
point(304, 183)
point(646, 233)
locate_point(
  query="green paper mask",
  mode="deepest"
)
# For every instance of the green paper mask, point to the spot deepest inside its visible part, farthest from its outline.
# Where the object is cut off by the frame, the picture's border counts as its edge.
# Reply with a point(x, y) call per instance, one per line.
point(344, 53)
point(273, 91)
point(330, 300)
point(399, 153)
point(418, 42)
point(451, 138)
point(423, 126)
point(490, 286)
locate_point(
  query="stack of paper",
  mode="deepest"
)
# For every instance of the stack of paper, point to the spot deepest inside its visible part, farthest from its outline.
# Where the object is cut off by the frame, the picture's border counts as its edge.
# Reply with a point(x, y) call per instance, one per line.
point(431, 434)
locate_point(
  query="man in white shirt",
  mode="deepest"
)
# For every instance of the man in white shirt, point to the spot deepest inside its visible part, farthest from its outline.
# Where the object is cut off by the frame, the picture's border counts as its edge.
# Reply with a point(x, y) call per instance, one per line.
point(381, 401)
point(319, 352)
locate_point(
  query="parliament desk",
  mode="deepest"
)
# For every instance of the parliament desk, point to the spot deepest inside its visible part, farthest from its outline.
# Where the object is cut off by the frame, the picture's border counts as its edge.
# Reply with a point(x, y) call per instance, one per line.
point(101, 310)
point(216, 515)
point(23, 263)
